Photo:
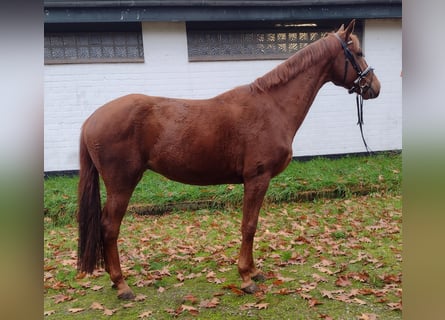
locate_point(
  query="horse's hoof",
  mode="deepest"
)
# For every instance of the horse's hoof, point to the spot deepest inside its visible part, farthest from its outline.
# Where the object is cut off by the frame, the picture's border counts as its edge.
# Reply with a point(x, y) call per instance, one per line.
point(251, 288)
point(259, 278)
point(127, 295)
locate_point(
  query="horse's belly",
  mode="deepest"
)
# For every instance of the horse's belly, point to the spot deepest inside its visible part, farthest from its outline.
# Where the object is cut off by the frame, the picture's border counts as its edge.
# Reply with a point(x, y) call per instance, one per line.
point(200, 177)
point(197, 171)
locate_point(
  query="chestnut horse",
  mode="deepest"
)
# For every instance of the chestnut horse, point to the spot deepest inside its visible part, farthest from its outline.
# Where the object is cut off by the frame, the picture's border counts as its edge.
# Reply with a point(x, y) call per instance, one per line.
point(243, 136)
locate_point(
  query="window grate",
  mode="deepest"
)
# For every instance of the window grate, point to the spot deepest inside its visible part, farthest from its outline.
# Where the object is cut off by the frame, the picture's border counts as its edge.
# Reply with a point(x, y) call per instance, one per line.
point(244, 42)
point(93, 47)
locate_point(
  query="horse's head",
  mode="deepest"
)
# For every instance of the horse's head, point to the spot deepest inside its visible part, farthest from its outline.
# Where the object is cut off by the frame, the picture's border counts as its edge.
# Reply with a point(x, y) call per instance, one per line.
point(350, 69)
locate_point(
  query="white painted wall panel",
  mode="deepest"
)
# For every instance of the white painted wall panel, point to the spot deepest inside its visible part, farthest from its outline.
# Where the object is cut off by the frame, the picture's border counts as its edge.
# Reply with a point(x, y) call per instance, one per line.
point(74, 91)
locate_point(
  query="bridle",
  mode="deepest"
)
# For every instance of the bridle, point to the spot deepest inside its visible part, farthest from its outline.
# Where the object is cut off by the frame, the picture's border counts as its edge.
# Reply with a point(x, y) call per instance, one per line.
point(359, 86)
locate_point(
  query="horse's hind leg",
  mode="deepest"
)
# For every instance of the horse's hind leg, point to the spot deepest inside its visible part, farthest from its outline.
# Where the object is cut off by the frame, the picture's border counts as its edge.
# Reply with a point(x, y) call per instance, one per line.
point(119, 191)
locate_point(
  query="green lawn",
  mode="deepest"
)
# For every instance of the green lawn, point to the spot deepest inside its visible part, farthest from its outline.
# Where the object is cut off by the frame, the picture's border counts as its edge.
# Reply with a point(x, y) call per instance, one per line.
point(301, 181)
point(328, 259)
point(337, 258)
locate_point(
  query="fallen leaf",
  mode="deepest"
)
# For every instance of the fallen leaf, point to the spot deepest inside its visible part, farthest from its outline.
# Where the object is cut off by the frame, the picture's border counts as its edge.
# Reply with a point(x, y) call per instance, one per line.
point(247, 306)
point(96, 288)
point(190, 309)
point(391, 278)
point(96, 306)
point(49, 312)
point(145, 314)
point(234, 289)
point(209, 303)
point(362, 276)
point(306, 296)
point(224, 269)
point(191, 298)
point(368, 316)
point(75, 310)
point(284, 291)
point(326, 263)
point(180, 277)
point(140, 297)
point(86, 284)
point(328, 294)
point(314, 302)
point(61, 298)
point(325, 270)
point(358, 301)
point(261, 306)
point(278, 282)
point(109, 312)
point(342, 281)
point(395, 306)
point(319, 278)
point(172, 312)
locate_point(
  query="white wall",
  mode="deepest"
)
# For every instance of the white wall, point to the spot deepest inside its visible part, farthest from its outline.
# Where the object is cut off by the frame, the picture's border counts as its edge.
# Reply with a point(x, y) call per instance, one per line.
point(330, 127)
point(73, 92)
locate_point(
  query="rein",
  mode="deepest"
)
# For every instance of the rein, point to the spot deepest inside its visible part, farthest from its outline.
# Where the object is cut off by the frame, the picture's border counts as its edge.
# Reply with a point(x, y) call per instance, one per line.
point(357, 87)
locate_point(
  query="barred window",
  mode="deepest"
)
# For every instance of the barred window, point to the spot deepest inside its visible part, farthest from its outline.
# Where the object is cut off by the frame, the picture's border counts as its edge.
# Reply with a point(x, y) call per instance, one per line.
point(93, 43)
point(222, 41)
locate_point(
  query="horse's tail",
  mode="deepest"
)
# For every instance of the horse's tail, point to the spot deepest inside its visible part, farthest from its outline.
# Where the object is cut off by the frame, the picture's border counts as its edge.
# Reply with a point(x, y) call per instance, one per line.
point(90, 245)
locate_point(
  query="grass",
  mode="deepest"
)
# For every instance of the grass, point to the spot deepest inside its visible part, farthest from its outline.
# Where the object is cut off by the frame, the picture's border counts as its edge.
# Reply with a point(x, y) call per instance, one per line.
point(318, 178)
point(327, 258)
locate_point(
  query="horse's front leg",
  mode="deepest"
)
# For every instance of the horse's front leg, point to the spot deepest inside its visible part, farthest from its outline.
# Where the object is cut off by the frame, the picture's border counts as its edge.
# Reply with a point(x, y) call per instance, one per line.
point(254, 192)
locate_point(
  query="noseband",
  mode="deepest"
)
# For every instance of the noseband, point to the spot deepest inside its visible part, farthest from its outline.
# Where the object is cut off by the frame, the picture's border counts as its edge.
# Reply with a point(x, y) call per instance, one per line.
point(359, 86)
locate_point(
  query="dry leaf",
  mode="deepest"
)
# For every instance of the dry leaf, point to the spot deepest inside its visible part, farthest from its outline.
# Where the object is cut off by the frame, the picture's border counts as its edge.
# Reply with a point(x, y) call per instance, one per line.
point(190, 309)
point(247, 306)
point(191, 298)
point(319, 278)
point(140, 297)
point(234, 289)
point(109, 312)
point(75, 310)
point(61, 298)
point(395, 306)
point(368, 316)
point(209, 303)
point(49, 312)
point(161, 289)
point(96, 288)
point(180, 277)
point(314, 302)
point(96, 306)
point(342, 281)
point(358, 301)
point(261, 306)
point(145, 314)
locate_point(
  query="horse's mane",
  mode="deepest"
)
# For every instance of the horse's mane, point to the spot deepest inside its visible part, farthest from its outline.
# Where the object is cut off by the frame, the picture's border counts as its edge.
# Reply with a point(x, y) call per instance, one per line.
point(294, 65)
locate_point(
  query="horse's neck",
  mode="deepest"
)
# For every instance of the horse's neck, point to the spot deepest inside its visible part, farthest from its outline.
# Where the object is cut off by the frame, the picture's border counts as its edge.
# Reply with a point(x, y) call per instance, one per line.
point(296, 96)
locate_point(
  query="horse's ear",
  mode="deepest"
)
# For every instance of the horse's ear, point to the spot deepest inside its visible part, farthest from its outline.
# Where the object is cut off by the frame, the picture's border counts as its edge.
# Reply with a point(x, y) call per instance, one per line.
point(349, 29)
point(342, 28)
